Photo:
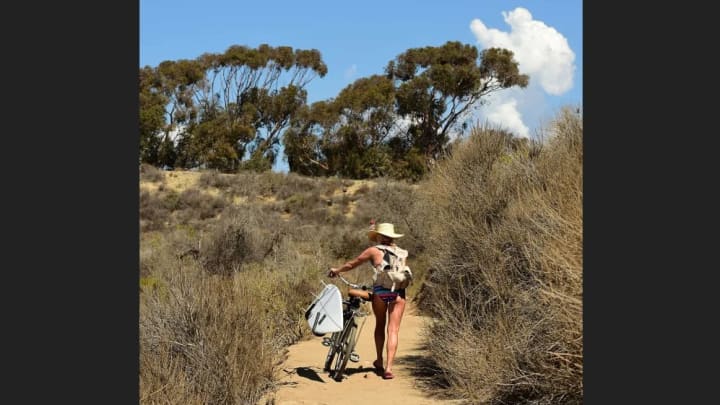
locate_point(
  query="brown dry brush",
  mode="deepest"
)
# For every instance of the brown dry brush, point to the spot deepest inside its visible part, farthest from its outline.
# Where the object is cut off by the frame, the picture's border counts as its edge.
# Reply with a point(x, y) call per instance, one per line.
point(241, 235)
point(151, 173)
point(213, 339)
point(195, 340)
point(212, 333)
point(505, 278)
point(167, 208)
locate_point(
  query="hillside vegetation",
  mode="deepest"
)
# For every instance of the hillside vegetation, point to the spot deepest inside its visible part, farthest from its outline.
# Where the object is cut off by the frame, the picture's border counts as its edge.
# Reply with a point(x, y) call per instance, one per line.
point(505, 278)
point(228, 263)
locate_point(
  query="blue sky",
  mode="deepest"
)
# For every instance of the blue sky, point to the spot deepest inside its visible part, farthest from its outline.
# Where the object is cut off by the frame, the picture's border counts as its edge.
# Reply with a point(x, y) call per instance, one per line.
point(358, 39)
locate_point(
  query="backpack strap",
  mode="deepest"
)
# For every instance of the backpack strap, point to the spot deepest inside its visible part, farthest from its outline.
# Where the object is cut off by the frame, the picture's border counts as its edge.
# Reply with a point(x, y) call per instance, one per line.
point(386, 249)
point(387, 252)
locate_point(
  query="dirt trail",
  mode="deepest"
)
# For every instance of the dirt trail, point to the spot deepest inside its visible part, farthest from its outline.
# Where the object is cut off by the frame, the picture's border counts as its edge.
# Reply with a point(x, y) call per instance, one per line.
point(303, 381)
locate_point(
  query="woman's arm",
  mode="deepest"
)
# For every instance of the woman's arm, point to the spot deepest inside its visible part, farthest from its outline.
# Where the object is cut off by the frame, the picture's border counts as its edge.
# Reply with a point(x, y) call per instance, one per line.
point(363, 257)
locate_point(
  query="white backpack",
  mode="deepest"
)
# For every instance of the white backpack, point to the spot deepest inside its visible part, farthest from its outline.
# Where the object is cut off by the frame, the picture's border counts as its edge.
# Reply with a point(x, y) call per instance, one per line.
point(392, 273)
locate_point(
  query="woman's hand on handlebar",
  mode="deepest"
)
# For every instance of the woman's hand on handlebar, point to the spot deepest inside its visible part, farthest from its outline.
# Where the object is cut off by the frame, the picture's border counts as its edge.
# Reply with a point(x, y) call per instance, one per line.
point(332, 272)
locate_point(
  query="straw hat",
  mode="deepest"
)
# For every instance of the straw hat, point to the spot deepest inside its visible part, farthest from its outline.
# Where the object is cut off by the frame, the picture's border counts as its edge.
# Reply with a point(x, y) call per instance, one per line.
point(384, 229)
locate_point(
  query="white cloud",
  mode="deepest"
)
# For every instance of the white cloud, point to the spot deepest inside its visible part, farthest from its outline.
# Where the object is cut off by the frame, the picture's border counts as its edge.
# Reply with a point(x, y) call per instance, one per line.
point(541, 51)
point(350, 72)
point(505, 115)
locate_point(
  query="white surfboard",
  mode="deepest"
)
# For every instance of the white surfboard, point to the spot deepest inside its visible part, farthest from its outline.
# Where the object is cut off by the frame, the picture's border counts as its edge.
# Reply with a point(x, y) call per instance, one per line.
point(324, 315)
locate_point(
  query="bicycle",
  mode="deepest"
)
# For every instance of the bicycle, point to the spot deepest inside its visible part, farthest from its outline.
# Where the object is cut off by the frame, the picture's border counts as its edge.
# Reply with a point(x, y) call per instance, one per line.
point(342, 343)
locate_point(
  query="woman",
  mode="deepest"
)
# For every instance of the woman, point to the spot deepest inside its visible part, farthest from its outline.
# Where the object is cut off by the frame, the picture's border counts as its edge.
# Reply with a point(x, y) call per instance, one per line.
point(387, 305)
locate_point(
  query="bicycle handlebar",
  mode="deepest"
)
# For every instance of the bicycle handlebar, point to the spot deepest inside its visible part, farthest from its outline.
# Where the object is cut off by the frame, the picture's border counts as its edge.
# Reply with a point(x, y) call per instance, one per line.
point(362, 287)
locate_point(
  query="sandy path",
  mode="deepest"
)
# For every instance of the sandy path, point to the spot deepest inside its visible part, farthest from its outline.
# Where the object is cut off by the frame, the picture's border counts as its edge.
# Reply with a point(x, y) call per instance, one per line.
point(303, 381)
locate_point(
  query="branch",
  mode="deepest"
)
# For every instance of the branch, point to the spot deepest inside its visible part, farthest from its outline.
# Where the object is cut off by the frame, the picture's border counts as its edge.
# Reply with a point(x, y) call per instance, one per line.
point(316, 162)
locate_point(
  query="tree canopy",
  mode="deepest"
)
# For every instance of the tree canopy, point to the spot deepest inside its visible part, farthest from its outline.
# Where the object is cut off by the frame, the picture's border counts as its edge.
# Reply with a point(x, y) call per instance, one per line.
point(231, 110)
point(398, 123)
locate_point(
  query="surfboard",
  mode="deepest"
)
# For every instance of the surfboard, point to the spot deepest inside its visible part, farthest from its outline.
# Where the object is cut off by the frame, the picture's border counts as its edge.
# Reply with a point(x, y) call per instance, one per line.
point(324, 315)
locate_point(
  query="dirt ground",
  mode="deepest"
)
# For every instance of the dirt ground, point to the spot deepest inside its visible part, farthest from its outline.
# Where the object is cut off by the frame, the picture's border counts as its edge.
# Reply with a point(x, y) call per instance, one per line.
point(303, 381)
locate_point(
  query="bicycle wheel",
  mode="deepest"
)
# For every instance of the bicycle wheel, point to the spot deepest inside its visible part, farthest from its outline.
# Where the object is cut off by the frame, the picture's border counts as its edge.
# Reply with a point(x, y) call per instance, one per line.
point(332, 351)
point(347, 346)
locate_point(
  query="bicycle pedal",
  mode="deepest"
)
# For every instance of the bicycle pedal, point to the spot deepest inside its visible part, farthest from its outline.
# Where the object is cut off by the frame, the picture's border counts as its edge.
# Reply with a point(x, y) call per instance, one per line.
point(354, 357)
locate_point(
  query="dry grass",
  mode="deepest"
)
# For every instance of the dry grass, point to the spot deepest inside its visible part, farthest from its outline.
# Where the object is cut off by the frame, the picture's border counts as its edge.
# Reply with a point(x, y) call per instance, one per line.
point(506, 272)
point(150, 174)
point(215, 335)
point(207, 339)
point(242, 236)
point(228, 263)
point(224, 287)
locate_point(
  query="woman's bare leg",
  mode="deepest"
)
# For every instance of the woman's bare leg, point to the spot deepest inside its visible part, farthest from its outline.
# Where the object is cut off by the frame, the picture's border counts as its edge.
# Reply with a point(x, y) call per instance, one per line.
point(396, 310)
point(379, 308)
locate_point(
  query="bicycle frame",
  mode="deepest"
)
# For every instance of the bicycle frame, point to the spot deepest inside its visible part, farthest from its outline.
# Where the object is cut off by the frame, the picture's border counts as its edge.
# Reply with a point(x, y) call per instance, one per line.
point(342, 344)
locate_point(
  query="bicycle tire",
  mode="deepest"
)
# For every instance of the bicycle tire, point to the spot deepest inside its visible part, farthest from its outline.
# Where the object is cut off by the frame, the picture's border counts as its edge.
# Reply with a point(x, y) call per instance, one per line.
point(347, 346)
point(332, 351)
point(339, 352)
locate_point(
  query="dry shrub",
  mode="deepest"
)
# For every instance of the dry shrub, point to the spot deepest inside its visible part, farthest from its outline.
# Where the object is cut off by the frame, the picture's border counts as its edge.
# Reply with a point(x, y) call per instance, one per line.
point(152, 256)
point(215, 179)
point(168, 207)
point(195, 204)
point(329, 185)
point(243, 235)
point(347, 245)
point(212, 339)
point(304, 204)
point(207, 340)
point(151, 173)
point(294, 184)
point(245, 184)
point(506, 267)
point(363, 189)
point(153, 212)
point(250, 184)
point(192, 353)
point(210, 334)
point(268, 183)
